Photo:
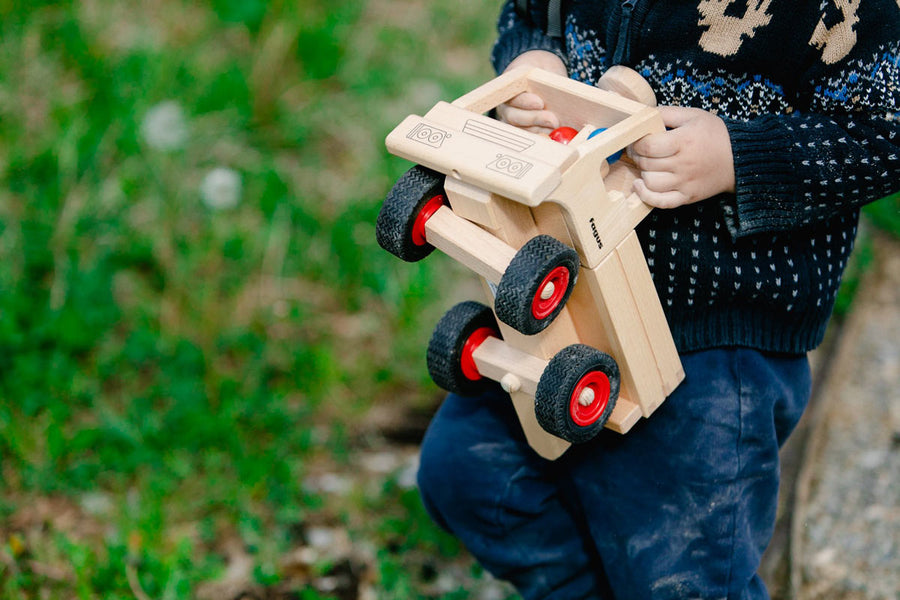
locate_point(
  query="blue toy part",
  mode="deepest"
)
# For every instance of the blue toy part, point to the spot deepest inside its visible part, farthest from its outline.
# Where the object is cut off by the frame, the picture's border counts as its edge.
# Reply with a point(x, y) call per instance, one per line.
point(612, 158)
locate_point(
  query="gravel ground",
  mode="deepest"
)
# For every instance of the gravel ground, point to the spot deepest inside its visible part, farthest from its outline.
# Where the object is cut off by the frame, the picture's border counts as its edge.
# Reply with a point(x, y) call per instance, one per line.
point(846, 537)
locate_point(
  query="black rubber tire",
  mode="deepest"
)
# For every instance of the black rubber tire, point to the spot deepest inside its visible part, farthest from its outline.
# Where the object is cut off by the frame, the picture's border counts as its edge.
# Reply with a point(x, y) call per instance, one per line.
point(522, 279)
point(410, 194)
point(445, 349)
point(560, 380)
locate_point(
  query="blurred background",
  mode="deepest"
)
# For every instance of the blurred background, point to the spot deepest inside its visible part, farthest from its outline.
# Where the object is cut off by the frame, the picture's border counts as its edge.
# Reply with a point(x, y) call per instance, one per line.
point(210, 374)
point(212, 380)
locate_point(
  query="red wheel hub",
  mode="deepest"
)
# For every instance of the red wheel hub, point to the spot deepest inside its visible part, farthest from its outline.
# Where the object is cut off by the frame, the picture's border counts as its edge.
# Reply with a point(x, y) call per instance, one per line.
point(595, 386)
point(467, 360)
point(546, 300)
point(431, 207)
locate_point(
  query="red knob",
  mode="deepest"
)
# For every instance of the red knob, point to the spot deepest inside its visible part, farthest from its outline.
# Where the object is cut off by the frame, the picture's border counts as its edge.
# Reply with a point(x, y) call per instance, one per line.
point(563, 135)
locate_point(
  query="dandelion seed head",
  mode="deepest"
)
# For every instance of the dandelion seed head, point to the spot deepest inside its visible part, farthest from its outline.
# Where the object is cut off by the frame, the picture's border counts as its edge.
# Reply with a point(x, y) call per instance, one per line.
point(221, 189)
point(164, 126)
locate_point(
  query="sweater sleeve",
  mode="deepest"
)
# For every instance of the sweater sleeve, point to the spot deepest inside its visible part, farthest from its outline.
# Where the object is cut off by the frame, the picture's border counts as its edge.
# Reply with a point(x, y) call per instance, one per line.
point(805, 167)
point(518, 34)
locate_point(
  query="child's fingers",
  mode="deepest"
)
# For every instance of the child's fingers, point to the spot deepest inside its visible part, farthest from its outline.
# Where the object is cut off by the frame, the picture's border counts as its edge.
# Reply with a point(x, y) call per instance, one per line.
point(655, 145)
point(527, 101)
point(676, 116)
point(644, 163)
point(660, 181)
point(656, 199)
point(541, 121)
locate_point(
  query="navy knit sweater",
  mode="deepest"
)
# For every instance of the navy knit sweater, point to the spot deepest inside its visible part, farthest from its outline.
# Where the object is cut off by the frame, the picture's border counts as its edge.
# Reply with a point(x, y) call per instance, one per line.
point(810, 93)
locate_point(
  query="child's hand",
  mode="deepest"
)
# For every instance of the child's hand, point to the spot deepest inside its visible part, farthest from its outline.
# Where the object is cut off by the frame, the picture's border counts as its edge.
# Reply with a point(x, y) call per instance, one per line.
point(527, 110)
point(691, 161)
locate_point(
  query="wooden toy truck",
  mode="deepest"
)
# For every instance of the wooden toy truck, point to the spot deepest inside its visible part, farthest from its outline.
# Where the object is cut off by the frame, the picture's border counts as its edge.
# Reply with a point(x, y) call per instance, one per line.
point(575, 332)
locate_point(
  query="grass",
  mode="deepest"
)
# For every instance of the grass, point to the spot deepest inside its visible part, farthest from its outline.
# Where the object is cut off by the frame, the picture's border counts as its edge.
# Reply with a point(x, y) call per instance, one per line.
point(196, 323)
point(175, 368)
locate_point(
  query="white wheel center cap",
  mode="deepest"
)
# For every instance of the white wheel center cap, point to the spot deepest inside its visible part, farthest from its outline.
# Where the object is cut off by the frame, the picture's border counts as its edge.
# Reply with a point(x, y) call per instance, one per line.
point(586, 398)
point(548, 291)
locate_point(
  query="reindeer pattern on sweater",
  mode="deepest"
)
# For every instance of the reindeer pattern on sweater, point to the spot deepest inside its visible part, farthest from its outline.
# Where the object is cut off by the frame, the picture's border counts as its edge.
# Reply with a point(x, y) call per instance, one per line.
point(810, 94)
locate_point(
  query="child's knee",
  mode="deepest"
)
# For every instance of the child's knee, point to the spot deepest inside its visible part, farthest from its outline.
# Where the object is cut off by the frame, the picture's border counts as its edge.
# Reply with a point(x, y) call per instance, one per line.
point(448, 465)
point(465, 465)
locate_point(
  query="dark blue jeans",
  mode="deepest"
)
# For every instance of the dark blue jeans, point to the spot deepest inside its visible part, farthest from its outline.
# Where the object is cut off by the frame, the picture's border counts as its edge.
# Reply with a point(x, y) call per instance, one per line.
point(680, 507)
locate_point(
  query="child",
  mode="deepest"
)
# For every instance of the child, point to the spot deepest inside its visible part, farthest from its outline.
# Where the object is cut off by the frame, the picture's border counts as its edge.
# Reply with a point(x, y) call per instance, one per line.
point(782, 122)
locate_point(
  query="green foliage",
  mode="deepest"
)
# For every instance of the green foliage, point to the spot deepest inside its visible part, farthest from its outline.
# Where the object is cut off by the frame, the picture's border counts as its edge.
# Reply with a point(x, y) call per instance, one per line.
point(171, 367)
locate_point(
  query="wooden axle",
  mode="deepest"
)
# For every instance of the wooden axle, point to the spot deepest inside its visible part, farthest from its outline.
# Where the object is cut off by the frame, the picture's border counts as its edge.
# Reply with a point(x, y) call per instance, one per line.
point(519, 373)
point(515, 370)
point(469, 244)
